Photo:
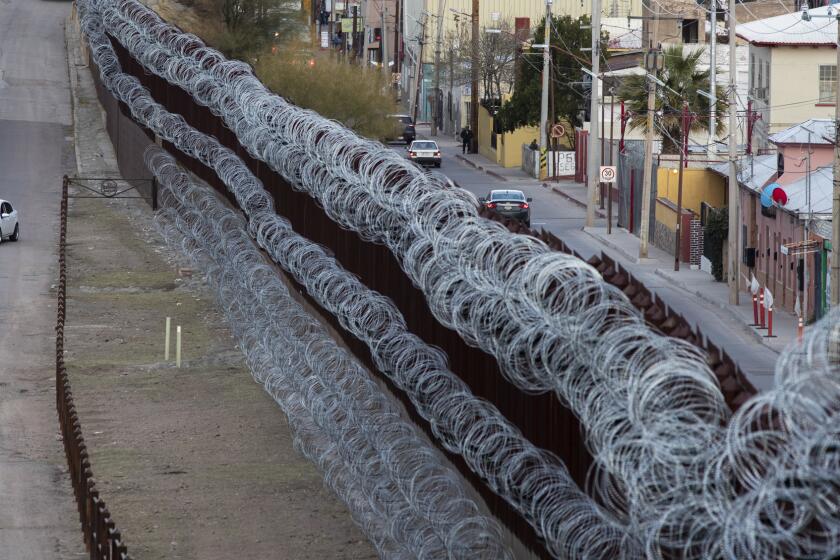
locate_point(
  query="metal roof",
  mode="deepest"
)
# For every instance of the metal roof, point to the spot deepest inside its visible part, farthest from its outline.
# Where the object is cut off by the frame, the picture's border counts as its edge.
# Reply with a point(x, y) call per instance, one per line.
point(821, 132)
point(751, 174)
point(791, 29)
point(821, 185)
point(822, 228)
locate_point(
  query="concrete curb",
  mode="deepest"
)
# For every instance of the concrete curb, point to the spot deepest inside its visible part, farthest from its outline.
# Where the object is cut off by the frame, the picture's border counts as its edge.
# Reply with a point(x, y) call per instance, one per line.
point(465, 160)
point(480, 167)
point(725, 307)
point(573, 200)
point(73, 80)
point(496, 175)
point(627, 256)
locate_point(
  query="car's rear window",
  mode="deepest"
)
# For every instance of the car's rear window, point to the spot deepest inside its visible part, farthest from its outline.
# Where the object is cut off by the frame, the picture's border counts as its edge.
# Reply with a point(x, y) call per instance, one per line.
point(406, 120)
point(424, 146)
point(508, 195)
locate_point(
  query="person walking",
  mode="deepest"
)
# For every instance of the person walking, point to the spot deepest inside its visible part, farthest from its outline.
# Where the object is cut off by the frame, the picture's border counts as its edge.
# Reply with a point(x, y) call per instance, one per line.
point(466, 139)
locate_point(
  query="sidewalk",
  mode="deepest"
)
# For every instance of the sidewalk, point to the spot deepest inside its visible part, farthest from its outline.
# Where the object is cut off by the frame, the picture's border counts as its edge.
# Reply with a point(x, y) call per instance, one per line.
point(452, 144)
point(691, 293)
point(696, 282)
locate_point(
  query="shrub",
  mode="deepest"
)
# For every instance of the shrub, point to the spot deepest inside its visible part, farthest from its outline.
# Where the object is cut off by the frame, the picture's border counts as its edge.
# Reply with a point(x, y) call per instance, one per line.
point(360, 99)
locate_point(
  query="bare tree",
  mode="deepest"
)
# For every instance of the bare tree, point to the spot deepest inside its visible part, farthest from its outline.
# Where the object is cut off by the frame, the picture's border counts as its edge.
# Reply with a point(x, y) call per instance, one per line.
point(497, 51)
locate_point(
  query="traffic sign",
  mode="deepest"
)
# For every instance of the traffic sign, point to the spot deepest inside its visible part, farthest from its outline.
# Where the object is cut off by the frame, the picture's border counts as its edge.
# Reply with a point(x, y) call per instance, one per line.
point(557, 131)
point(608, 173)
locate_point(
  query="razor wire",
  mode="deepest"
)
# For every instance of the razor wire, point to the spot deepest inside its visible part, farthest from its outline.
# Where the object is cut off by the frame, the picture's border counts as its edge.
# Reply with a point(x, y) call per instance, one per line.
point(343, 420)
point(535, 482)
point(465, 265)
point(666, 461)
point(563, 514)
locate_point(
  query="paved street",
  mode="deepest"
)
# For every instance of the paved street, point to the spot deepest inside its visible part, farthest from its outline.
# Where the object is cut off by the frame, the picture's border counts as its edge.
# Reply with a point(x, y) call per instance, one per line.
point(38, 519)
point(565, 218)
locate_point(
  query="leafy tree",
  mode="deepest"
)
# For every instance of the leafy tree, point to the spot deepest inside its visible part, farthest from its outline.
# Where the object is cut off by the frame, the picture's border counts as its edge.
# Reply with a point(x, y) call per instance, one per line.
point(683, 79)
point(359, 98)
point(717, 233)
point(567, 38)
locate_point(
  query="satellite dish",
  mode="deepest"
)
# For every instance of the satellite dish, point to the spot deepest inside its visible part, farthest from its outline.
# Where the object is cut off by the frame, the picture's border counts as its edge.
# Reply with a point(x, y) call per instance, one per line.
point(773, 193)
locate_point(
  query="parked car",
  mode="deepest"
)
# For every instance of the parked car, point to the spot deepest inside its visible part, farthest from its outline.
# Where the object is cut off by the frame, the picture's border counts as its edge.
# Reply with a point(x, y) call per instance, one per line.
point(9, 227)
point(424, 152)
point(510, 203)
point(403, 128)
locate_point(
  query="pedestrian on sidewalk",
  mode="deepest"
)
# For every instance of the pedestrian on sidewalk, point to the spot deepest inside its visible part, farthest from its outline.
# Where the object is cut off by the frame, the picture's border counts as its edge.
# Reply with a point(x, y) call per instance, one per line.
point(533, 145)
point(466, 138)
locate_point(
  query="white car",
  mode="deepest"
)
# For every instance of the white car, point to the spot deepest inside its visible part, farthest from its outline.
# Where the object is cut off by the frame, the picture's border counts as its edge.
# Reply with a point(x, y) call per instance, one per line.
point(424, 152)
point(9, 228)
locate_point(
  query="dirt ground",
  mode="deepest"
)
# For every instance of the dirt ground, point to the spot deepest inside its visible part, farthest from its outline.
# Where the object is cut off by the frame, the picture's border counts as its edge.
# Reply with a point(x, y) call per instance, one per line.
point(194, 462)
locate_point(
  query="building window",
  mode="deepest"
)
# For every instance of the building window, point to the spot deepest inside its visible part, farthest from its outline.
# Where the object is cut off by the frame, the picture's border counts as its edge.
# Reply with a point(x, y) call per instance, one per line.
point(828, 83)
point(752, 72)
point(690, 31)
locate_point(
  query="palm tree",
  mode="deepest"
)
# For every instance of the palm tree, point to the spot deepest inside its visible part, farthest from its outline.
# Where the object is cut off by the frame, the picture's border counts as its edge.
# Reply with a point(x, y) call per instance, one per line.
point(683, 79)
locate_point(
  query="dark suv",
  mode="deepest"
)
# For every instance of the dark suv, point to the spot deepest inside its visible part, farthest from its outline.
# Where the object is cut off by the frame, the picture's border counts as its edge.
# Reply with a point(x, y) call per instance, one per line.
point(403, 128)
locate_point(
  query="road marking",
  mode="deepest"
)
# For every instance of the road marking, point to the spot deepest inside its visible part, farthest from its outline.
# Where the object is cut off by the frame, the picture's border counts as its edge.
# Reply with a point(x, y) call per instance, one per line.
point(537, 223)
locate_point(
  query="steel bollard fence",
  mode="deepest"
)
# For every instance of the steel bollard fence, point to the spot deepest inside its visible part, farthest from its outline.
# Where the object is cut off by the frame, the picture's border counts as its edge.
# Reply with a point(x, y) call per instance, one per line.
point(101, 538)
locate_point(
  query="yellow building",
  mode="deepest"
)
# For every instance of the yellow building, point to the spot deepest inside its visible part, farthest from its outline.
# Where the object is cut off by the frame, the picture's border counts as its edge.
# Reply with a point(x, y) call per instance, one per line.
point(504, 149)
point(426, 20)
point(699, 185)
point(457, 14)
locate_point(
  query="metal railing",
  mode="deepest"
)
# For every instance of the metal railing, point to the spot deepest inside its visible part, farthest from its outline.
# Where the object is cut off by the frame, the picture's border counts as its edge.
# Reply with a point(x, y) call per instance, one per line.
point(101, 536)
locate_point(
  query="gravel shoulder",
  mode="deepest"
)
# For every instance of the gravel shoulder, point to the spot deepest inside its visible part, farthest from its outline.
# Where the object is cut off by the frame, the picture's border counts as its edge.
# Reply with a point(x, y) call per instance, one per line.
point(195, 462)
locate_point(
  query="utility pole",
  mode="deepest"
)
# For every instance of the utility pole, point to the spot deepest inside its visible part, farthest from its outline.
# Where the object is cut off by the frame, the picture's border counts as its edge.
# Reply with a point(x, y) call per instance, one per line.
point(397, 45)
point(450, 120)
point(355, 38)
point(438, 42)
point(474, 71)
point(713, 82)
point(683, 149)
point(418, 80)
point(835, 198)
point(546, 78)
point(835, 208)
point(806, 236)
point(652, 59)
point(593, 174)
point(383, 40)
point(344, 43)
point(732, 246)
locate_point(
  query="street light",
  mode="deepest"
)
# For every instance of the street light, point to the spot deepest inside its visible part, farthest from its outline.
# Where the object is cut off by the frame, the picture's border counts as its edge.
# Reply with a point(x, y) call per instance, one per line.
point(711, 97)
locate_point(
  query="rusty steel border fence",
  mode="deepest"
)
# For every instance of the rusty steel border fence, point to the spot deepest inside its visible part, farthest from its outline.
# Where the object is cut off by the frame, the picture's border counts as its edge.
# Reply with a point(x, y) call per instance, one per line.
point(735, 386)
point(543, 419)
point(102, 539)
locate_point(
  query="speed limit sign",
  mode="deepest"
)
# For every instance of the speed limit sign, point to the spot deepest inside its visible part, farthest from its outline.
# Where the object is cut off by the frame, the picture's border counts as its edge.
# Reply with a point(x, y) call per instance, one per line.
point(608, 173)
